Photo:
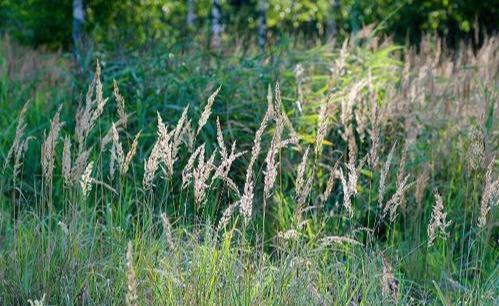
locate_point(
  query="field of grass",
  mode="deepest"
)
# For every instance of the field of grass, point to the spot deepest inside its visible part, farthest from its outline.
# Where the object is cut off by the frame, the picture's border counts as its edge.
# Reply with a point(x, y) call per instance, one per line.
point(363, 173)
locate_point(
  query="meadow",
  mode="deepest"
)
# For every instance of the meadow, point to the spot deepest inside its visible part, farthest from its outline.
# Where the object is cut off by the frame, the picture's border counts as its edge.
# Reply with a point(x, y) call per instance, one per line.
point(354, 173)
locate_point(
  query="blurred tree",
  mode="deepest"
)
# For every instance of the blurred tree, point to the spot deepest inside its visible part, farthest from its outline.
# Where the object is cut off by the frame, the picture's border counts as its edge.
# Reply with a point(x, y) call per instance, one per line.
point(78, 23)
point(216, 24)
point(331, 27)
point(191, 14)
point(135, 22)
point(262, 23)
point(37, 22)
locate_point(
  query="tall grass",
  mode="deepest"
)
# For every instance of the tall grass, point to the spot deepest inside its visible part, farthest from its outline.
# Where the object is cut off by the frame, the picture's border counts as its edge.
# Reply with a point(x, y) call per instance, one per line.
point(363, 174)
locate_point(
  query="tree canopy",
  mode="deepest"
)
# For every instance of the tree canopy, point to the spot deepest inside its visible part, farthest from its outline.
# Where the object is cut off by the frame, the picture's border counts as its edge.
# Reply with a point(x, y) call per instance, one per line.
point(47, 22)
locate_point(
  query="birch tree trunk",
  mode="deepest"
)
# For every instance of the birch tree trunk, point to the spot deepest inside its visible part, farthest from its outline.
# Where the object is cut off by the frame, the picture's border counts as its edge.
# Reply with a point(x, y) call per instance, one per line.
point(262, 23)
point(331, 27)
point(78, 23)
point(191, 14)
point(216, 24)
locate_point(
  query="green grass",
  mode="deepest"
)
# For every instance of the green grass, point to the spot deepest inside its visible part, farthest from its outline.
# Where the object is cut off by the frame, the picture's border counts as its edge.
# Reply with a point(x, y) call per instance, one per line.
point(72, 249)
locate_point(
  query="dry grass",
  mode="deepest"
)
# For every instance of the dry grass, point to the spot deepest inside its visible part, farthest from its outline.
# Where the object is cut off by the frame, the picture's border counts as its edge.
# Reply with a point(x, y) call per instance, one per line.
point(307, 215)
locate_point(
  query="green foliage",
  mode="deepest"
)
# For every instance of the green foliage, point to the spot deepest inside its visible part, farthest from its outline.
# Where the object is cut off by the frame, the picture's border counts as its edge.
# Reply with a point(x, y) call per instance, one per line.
point(134, 22)
point(38, 22)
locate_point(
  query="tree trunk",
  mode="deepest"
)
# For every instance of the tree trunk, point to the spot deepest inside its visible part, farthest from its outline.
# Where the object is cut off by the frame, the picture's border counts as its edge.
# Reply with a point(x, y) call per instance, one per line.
point(262, 23)
point(216, 24)
point(78, 23)
point(331, 27)
point(191, 14)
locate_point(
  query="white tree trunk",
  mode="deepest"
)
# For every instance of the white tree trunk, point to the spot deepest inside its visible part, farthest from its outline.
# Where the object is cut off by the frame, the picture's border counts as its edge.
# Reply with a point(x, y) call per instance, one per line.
point(262, 23)
point(78, 22)
point(191, 14)
point(216, 23)
point(331, 27)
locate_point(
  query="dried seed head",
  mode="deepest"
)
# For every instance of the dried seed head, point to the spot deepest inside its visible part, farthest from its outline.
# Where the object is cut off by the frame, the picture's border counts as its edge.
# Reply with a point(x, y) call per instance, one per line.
point(271, 163)
point(438, 224)
point(131, 153)
point(332, 240)
point(374, 133)
point(246, 207)
point(330, 182)
point(350, 186)
point(19, 156)
point(120, 101)
point(108, 138)
point(100, 101)
point(348, 102)
point(207, 110)
point(303, 188)
point(352, 145)
point(79, 166)
point(389, 284)
point(117, 147)
point(87, 116)
point(179, 132)
point(300, 177)
point(66, 162)
point(165, 146)
point(187, 172)
point(167, 228)
point(201, 175)
point(151, 165)
point(222, 170)
point(361, 120)
point(490, 192)
point(392, 205)
point(347, 194)
point(220, 140)
point(224, 220)
point(288, 235)
point(21, 126)
point(270, 103)
point(321, 128)
point(188, 136)
point(40, 302)
point(48, 147)
point(304, 192)
point(476, 152)
point(278, 100)
point(86, 180)
point(112, 163)
point(160, 153)
point(401, 177)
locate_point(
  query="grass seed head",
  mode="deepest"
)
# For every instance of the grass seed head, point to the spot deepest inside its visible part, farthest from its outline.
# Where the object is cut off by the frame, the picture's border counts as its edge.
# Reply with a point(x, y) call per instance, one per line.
point(66, 162)
point(207, 110)
point(48, 147)
point(438, 223)
point(490, 192)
